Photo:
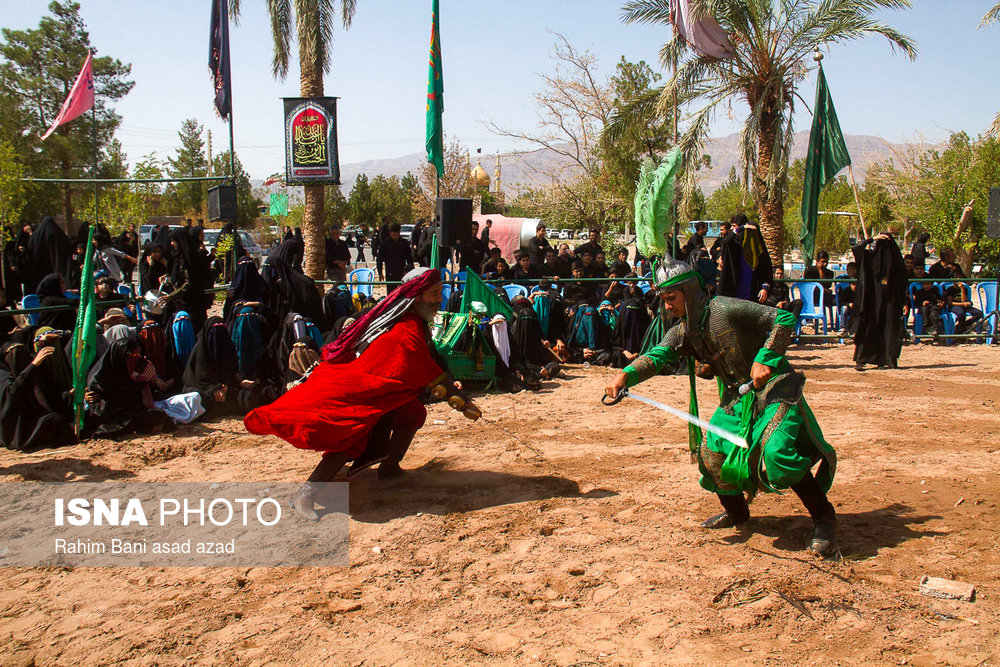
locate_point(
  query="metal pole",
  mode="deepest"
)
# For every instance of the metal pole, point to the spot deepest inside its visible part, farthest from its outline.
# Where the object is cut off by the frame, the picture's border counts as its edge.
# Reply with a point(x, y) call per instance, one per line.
point(180, 179)
point(232, 150)
point(857, 200)
point(97, 187)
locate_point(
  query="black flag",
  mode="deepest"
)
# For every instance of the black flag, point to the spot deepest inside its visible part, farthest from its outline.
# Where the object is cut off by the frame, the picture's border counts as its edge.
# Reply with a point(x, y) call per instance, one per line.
point(218, 58)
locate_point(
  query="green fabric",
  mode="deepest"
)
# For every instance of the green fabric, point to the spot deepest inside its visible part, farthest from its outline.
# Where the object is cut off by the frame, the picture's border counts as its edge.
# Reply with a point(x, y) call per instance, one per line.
point(435, 97)
point(827, 155)
point(659, 355)
point(678, 279)
point(435, 253)
point(467, 357)
point(695, 435)
point(477, 290)
point(654, 198)
point(793, 447)
point(769, 358)
point(85, 333)
point(785, 319)
point(655, 332)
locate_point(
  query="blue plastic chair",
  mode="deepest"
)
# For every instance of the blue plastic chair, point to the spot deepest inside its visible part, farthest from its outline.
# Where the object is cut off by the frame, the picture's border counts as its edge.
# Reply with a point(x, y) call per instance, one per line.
point(461, 277)
point(646, 284)
point(133, 312)
point(947, 317)
point(31, 301)
point(812, 304)
point(918, 318)
point(357, 276)
point(446, 275)
point(515, 290)
point(988, 304)
point(446, 290)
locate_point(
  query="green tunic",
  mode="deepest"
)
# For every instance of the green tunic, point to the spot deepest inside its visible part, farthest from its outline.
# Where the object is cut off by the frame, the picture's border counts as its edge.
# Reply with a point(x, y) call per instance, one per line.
point(785, 440)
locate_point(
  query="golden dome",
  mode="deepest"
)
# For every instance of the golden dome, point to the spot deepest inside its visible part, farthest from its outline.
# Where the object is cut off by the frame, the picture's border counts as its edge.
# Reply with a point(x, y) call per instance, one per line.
point(480, 177)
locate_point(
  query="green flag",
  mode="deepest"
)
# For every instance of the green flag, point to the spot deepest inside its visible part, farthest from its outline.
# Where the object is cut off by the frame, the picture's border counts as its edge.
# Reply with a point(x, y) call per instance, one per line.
point(477, 290)
point(85, 333)
point(827, 155)
point(279, 204)
point(435, 98)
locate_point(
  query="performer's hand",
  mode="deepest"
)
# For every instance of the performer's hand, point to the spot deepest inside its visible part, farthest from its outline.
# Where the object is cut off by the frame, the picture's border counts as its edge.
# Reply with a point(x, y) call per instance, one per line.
point(617, 386)
point(458, 385)
point(760, 374)
point(762, 296)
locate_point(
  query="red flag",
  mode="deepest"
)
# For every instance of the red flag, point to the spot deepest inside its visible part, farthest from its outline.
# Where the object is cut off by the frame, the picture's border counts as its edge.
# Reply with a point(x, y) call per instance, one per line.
point(80, 100)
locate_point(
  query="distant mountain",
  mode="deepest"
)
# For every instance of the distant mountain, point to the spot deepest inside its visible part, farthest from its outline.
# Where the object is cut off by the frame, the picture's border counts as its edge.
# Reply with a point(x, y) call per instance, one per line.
point(521, 170)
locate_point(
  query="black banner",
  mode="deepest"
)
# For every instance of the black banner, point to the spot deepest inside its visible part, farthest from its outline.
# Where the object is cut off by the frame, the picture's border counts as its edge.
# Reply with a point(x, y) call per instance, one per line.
point(311, 141)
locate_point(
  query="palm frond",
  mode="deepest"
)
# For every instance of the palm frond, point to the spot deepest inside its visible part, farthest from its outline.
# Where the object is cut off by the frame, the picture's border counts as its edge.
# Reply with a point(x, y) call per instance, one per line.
point(640, 111)
point(347, 10)
point(646, 11)
point(280, 13)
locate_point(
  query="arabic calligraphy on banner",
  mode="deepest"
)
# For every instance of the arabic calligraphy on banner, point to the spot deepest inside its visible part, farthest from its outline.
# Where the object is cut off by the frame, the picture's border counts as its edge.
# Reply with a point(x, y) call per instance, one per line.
point(311, 141)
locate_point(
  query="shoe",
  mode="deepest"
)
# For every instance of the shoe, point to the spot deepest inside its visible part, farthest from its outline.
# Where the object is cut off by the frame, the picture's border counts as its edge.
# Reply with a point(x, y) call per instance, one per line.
point(724, 520)
point(824, 540)
point(390, 470)
point(859, 367)
point(302, 502)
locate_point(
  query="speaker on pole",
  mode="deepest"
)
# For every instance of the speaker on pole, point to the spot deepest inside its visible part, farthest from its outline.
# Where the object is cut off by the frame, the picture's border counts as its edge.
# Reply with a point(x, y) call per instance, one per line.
point(222, 202)
point(453, 221)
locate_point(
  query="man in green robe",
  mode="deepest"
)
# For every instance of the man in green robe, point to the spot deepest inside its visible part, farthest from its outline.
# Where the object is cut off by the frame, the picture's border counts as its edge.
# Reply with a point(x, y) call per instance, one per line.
point(737, 342)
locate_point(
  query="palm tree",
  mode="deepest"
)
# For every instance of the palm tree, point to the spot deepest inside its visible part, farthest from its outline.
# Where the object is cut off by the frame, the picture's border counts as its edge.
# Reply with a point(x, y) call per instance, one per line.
point(313, 22)
point(773, 40)
point(992, 17)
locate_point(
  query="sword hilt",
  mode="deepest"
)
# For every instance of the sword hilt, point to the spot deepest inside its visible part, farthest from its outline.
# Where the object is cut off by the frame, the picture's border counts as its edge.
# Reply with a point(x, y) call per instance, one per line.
point(614, 401)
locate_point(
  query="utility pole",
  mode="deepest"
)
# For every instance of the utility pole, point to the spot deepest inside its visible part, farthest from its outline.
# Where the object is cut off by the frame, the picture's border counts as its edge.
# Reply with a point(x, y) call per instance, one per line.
point(209, 152)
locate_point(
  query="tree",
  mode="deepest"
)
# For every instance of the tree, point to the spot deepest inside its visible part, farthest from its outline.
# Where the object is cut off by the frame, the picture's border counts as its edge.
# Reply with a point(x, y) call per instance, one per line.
point(392, 200)
point(118, 206)
point(730, 199)
point(647, 135)
point(313, 22)
point(575, 104)
point(39, 67)
point(772, 42)
point(12, 190)
point(336, 209)
point(364, 210)
point(992, 17)
point(456, 182)
point(927, 190)
point(189, 160)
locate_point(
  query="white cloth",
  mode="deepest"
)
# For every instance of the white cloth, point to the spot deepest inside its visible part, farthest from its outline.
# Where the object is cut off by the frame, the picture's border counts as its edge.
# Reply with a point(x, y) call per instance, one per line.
point(182, 408)
point(702, 33)
point(498, 329)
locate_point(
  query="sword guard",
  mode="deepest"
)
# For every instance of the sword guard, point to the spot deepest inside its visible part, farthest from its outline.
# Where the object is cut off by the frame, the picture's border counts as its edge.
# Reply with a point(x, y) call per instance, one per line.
point(613, 401)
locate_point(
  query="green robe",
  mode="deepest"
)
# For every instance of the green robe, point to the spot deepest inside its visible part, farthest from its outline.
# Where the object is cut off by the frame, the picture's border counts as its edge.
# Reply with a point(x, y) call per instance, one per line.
point(785, 440)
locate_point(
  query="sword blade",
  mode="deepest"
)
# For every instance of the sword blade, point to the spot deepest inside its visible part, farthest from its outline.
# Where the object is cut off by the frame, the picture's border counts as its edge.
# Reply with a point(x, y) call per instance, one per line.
point(711, 428)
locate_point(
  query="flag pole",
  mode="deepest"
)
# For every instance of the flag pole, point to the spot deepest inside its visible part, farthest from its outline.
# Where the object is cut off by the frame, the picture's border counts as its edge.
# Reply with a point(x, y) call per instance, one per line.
point(857, 200)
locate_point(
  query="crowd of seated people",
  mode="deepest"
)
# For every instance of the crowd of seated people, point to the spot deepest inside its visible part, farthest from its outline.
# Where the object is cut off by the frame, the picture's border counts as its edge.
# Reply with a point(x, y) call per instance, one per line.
point(174, 358)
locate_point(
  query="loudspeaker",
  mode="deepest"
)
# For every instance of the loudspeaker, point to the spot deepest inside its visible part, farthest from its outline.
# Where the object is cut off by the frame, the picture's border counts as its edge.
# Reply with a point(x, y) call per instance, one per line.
point(454, 221)
point(993, 215)
point(222, 202)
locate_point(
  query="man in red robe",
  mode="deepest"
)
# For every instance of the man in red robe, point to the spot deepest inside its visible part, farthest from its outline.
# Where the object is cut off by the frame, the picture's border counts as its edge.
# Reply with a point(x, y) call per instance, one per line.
point(361, 402)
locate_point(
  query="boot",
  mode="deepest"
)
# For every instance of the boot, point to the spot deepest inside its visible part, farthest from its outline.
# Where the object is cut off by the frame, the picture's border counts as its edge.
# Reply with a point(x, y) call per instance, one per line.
point(824, 540)
point(302, 500)
point(736, 512)
point(377, 449)
point(399, 442)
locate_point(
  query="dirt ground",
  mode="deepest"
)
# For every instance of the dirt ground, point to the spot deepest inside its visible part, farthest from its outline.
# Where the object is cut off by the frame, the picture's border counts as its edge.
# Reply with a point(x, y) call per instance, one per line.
point(570, 536)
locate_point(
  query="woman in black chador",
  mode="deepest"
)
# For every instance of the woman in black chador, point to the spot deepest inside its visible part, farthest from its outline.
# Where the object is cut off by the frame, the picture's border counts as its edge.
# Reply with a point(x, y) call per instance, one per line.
point(879, 301)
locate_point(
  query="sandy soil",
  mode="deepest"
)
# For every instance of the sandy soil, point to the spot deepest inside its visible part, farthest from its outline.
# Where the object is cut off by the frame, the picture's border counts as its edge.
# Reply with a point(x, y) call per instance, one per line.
point(570, 536)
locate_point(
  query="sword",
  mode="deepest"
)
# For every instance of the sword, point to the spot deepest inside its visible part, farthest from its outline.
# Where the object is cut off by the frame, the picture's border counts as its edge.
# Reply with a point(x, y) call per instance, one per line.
point(711, 428)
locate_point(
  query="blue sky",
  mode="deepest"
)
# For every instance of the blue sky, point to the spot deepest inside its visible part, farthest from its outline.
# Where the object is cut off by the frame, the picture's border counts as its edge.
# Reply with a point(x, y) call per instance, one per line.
point(493, 53)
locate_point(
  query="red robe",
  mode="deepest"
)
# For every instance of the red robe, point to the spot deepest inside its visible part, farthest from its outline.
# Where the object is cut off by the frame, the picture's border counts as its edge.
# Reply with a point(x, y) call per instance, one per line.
point(334, 410)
